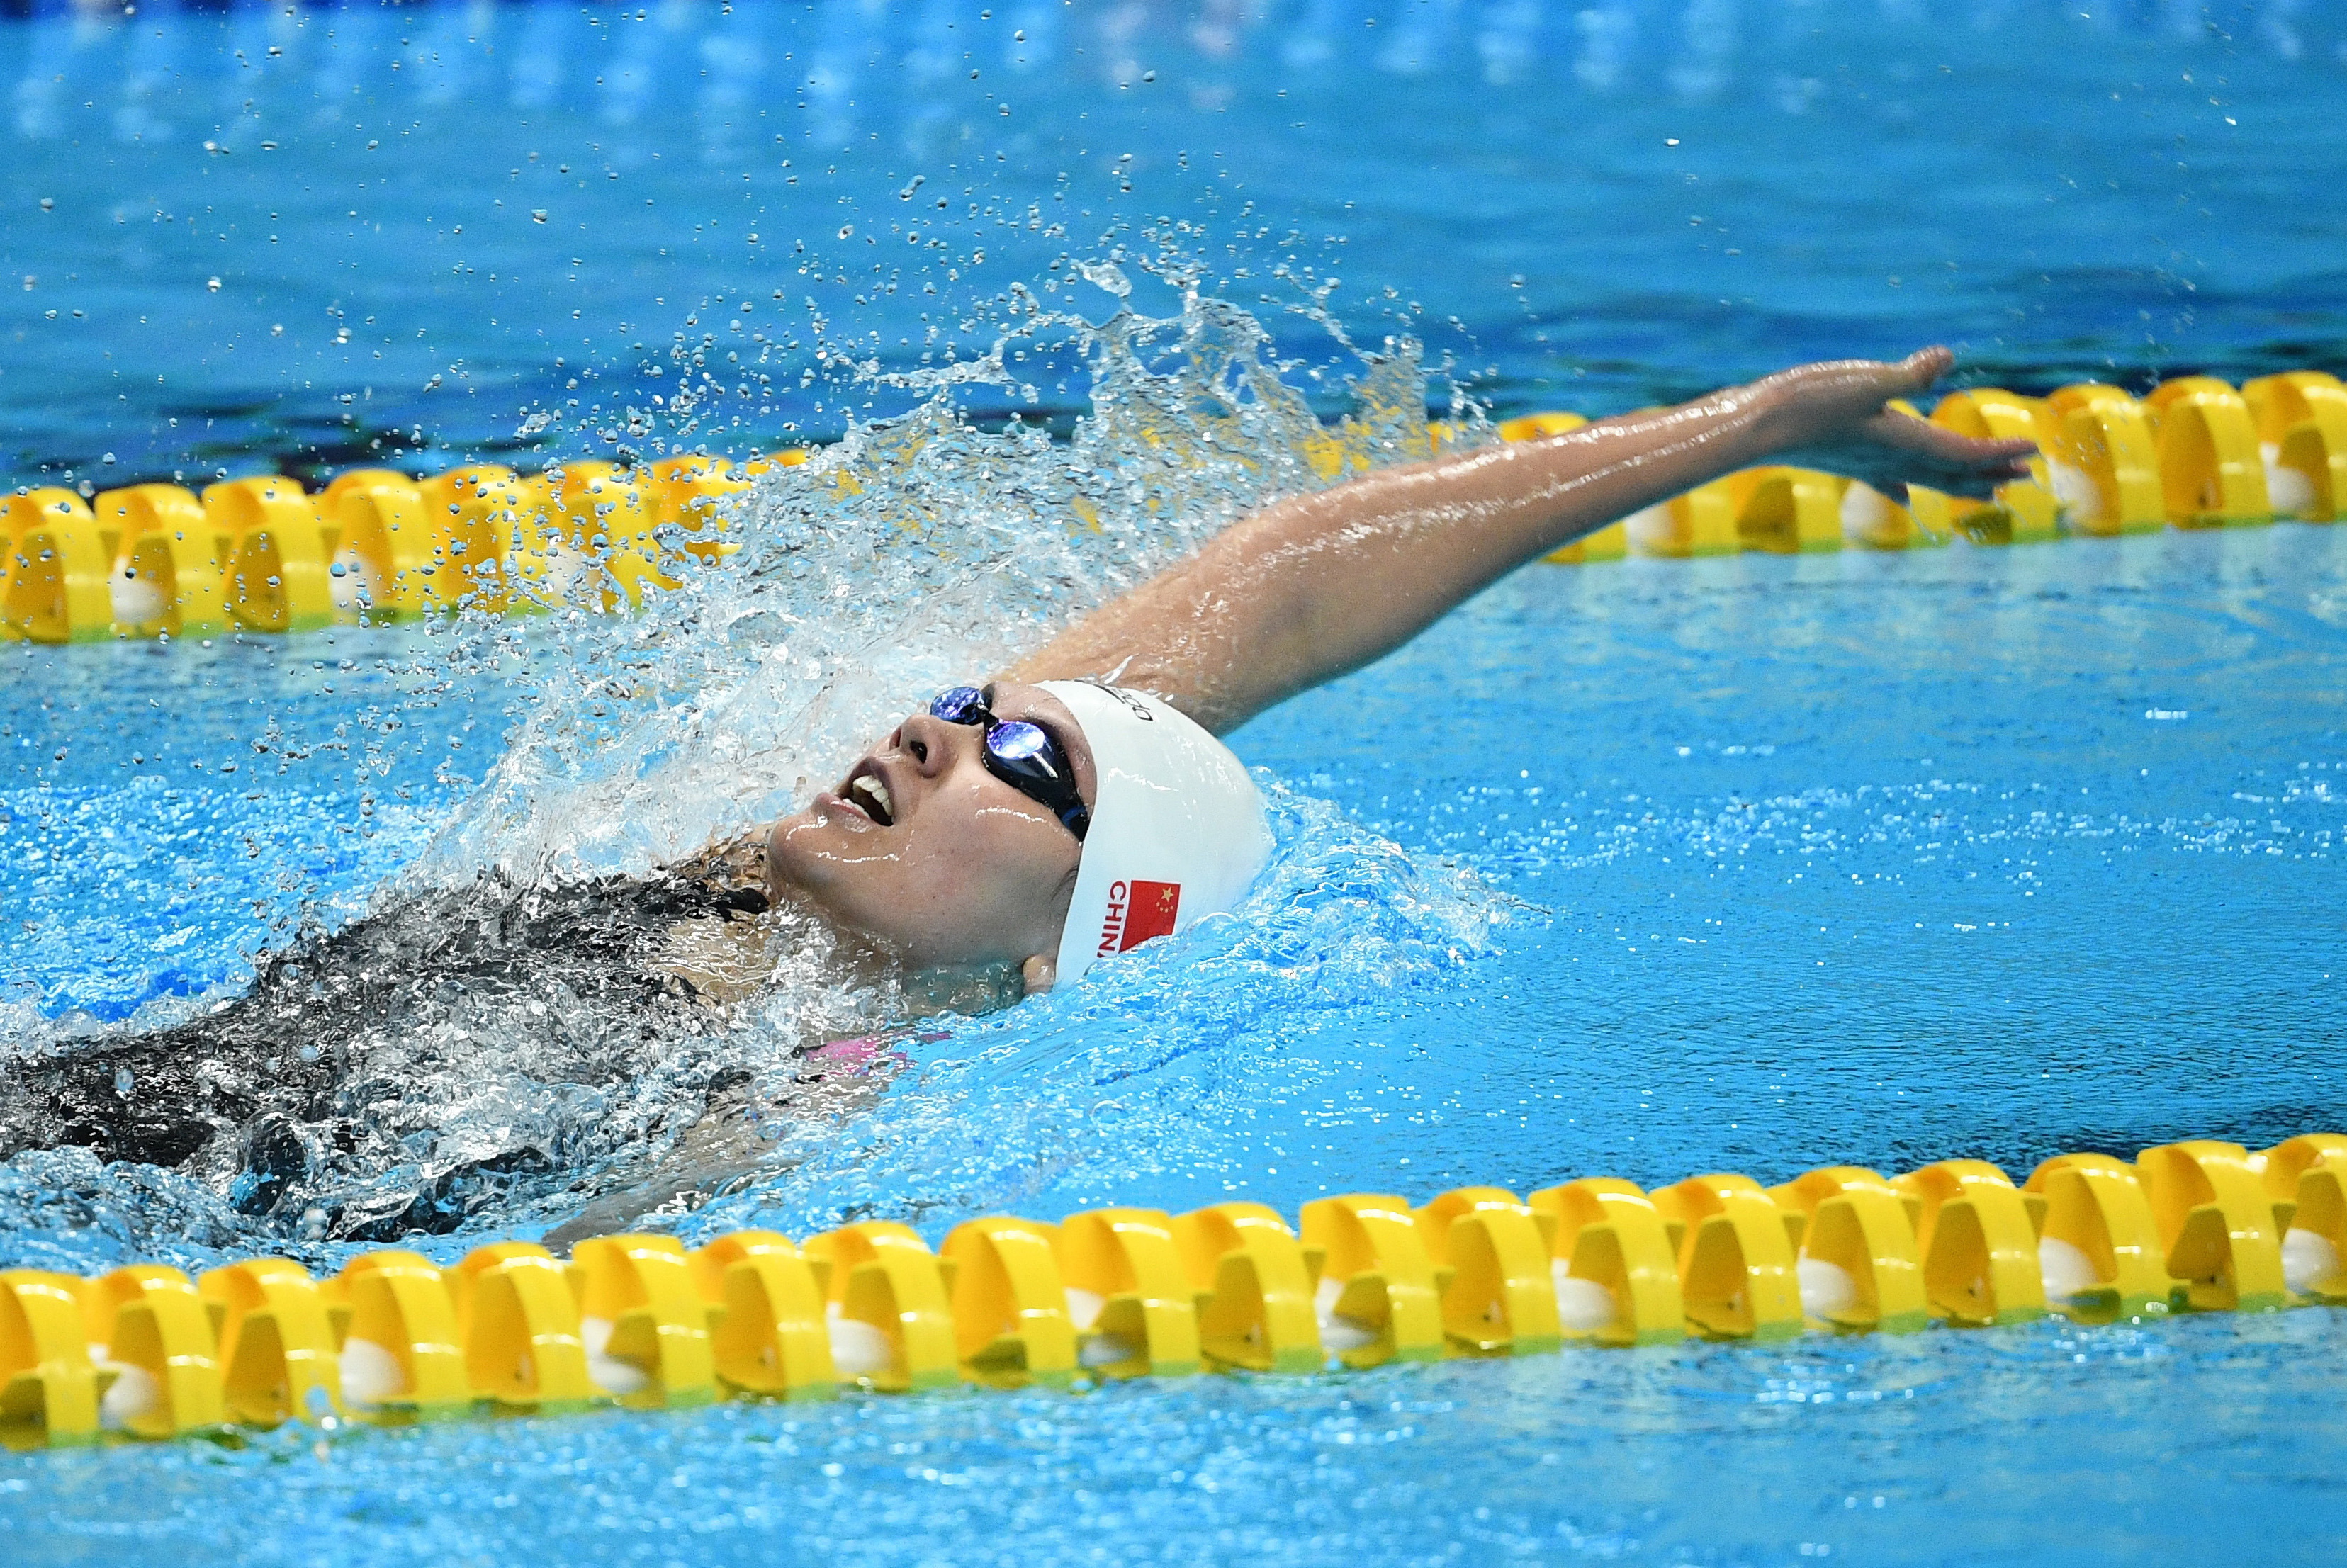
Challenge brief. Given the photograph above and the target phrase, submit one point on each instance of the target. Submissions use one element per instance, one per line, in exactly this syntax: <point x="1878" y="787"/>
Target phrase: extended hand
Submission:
<point x="1832" y="416"/>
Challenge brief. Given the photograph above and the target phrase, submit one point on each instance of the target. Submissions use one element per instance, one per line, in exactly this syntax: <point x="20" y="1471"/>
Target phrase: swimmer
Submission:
<point x="1004" y="838"/>
<point x="996" y="826"/>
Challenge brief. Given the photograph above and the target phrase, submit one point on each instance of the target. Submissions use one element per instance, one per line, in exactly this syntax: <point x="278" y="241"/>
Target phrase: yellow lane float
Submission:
<point x="641" y="1322"/>
<point x="261" y="555"/>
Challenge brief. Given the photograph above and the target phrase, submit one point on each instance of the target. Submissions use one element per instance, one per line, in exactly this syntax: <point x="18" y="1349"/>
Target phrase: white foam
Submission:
<point x="2288" y="491"/>
<point x="608" y="1372"/>
<point x="1105" y="1350"/>
<point x="2066" y="1269"/>
<point x="138" y="600"/>
<point x="2308" y="1258"/>
<point x="356" y="578"/>
<point x="1338" y="1333"/>
<point x="1826" y="1288"/>
<point x="1583" y="1305"/>
<point x="1865" y="510"/>
<point x="2075" y="492"/>
<point x="135" y="1393"/>
<point x="858" y="1349"/>
<point x="1650" y="529"/>
<point x="372" y="1373"/>
<point x="1083" y="1308"/>
<point x="566" y="568"/>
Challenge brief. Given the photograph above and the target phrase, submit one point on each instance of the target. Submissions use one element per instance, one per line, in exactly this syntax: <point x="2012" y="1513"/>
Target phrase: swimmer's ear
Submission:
<point x="1038" y="974"/>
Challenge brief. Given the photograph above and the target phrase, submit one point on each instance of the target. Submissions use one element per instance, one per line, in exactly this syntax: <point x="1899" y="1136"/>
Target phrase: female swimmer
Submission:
<point x="1016" y="830"/>
<point x="945" y="848"/>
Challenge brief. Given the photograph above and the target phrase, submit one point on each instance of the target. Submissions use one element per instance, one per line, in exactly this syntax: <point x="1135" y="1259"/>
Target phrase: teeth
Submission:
<point x="876" y="794"/>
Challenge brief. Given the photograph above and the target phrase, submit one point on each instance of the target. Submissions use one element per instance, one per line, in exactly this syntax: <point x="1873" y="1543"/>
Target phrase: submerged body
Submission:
<point x="277" y="1096"/>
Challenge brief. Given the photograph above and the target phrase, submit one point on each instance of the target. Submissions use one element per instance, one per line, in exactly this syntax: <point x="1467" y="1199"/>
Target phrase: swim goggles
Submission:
<point x="1021" y="754"/>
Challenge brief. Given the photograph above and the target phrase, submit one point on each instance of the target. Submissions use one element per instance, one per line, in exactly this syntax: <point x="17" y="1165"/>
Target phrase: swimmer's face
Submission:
<point x="923" y="849"/>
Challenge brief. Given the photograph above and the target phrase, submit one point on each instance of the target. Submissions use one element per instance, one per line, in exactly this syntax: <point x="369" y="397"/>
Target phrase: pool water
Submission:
<point x="242" y="237"/>
<point x="1642" y="869"/>
<point x="1768" y="864"/>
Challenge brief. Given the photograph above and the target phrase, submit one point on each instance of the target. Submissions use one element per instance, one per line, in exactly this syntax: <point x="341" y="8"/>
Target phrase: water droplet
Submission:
<point x="1106" y="275"/>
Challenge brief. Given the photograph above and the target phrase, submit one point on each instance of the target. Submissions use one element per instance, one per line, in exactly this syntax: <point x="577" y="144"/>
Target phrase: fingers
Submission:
<point x="1939" y="442"/>
<point x="1971" y="485"/>
<point x="1985" y="454"/>
<point x="1974" y="470"/>
<point x="1911" y="451"/>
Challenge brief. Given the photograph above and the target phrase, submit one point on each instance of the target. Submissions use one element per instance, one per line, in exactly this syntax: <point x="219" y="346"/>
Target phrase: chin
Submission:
<point x="792" y="860"/>
<point x="804" y="866"/>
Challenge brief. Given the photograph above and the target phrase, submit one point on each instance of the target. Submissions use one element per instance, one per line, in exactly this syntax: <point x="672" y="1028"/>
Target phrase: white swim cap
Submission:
<point x="1177" y="828"/>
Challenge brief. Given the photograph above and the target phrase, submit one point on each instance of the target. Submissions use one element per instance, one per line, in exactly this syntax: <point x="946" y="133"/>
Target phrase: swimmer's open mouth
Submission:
<point x="868" y="791"/>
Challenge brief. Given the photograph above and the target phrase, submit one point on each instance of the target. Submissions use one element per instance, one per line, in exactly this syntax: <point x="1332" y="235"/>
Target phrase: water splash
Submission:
<point x="914" y="553"/>
<point x="524" y="1033"/>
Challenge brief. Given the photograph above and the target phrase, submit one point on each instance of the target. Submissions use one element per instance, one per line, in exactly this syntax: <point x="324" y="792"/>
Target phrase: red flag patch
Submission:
<point x="1154" y="905"/>
<point x="1138" y="910"/>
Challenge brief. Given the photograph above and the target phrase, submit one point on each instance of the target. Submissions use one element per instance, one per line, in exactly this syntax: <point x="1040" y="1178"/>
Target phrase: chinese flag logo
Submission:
<point x="1151" y="912"/>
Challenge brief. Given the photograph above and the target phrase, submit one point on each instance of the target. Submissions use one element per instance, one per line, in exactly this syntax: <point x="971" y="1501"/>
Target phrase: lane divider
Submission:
<point x="262" y="554"/>
<point x="642" y="1323"/>
<point x="2195" y="454"/>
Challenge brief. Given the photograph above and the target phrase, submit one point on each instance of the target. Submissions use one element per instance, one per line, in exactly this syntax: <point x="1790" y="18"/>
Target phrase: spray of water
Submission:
<point x="535" y="1029"/>
<point x="915" y="552"/>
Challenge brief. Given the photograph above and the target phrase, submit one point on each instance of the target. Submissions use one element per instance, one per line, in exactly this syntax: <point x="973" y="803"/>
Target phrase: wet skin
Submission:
<point x="967" y="871"/>
<point x="943" y="864"/>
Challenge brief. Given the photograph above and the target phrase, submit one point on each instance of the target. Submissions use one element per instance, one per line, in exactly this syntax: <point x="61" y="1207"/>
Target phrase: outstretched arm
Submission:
<point x="1308" y="589"/>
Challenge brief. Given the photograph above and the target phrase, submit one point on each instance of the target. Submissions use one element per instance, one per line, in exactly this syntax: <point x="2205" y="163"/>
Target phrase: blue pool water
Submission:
<point x="1754" y="864"/>
<point x="424" y="220"/>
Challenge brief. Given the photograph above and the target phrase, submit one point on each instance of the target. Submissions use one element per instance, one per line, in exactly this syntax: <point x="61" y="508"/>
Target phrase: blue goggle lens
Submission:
<point x="961" y="705"/>
<point x="1021" y="754"/>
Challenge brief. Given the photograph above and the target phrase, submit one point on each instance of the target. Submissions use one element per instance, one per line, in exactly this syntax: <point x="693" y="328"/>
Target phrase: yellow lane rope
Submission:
<point x="641" y="1322"/>
<point x="262" y="554"/>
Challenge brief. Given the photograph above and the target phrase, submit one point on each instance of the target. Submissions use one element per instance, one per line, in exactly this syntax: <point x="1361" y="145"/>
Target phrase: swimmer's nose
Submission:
<point x="931" y="745"/>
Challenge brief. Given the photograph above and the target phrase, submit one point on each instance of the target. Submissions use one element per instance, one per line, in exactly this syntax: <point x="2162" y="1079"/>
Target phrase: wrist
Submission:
<point x="1768" y="416"/>
<point x="1782" y="414"/>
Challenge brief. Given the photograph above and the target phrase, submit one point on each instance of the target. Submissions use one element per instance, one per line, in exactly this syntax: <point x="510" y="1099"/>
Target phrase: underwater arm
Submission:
<point x="1313" y="586"/>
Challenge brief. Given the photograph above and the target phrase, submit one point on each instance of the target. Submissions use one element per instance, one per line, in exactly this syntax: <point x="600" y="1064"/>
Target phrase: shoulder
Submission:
<point x="730" y="875"/>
